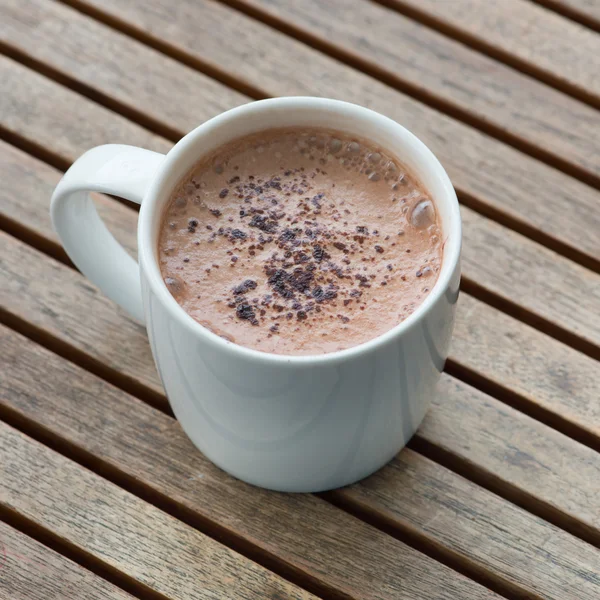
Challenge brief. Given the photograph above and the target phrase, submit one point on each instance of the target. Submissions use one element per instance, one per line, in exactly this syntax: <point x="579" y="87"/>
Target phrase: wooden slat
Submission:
<point x="535" y="278"/>
<point x="25" y="202"/>
<point x="553" y="379"/>
<point x="498" y="259"/>
<point x="556" y="383"/>
<point x="502" y="447"/>
<point x="466" y="427"/>
<point x="30" y="571"/>
<point x="163" y="553"/>
<point x="59" y="121"/>
<point x="586" y="12"/>
<point x="118" y="530"/>
<point x="482" y="532"/>
<point x="528" y="35"/>
<point x="413" y="492"/>
<point x="447" y="73"/>
<point x="126" y="73"/>
<point x="62" y="311"/>
<point x="501" y="180"/>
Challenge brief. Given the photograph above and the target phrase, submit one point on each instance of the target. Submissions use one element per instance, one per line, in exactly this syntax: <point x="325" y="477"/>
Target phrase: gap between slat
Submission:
<point x="85" y="361"/>
<point x="453" y="367"/>
<point x="445" y="458"/>
<point x="403" y="532"/>
<point x="172" y="134"/>
<point x="92" y="94"/>
<point x="409" y="534"/>
<point x="507" y="491"/>
<point x="488" y="49"/>
<point x="163" y="502"/>
<point x="570" y="13"/>
<point x="87" y="561"/>
<point x="168" y="49"/>
<point x="522" y="404"/>
<point x="424" y="96"/>
<point x="530" y="318"/>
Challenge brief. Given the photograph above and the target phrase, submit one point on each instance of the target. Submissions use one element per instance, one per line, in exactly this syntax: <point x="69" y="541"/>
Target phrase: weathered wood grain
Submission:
<point x="57" y="300"/>
<point x="30" y="571"/>
<point x="586" y="12"/>
<point x="555" y="382"/>
<point x="531" y="276"/>
<point x="550" y="377"/>
<point x="513" y="454"/>
<point x="528" y="35"/>
<point x="413" y="493"/>
<point x="465" y="426"/>
<point x="482" y="532"/>
<point x="123" y="532"/>
<point x="444" y="71"/>
<point x="497" y="258"/>
<point x="25" y="200"/>
<point x="499" y="179"/>
<point x="162" y="553"/>
<point x="60" y="121"/>
<point x="137" y="78"/>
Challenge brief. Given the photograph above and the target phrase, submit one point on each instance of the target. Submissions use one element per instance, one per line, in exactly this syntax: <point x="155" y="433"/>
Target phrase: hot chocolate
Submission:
<point x="300" y="241"/>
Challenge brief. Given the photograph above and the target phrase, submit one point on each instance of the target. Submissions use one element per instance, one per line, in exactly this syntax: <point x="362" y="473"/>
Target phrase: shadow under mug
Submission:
<point x="288" y="423"/>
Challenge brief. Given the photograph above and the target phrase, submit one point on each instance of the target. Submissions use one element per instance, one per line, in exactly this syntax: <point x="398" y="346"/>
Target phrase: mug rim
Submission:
<point x="151" y="203"/>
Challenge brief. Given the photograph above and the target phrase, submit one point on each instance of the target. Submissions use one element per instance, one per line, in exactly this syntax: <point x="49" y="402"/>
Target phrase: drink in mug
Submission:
<point x="299" y="269"/>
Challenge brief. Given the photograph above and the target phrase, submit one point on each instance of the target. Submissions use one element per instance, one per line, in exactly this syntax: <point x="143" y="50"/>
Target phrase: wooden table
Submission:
<point x="498" y="495"/>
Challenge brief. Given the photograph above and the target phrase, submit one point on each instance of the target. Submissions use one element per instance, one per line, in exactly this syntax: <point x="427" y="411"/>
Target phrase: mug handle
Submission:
<point x="124" y="171"/>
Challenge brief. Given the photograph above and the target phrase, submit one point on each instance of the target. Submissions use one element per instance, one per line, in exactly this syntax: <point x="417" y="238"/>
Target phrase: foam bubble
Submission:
<point x="423" y="214"/>
<point x="174" y="284"/>
<point x="353" y="147"/>
<point x="335" y="145"/>
<point x="374" y="176"/>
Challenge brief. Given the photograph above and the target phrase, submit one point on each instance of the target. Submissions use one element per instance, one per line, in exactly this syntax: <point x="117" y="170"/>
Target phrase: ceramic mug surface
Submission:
<point x="288" y="423"/>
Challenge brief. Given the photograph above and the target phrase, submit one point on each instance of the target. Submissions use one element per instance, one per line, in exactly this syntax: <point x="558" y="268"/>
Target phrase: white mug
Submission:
<point x="288" y="423"/>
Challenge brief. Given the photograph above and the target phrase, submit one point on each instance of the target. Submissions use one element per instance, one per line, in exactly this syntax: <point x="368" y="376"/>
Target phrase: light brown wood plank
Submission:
<point x="26" y="201"/>
<point x="59" y="121"/>
<point x="505" y="543"/>
<point x="508" y="269"/>
<point x="30" y="571"/>
<point x="586" y="12"/>
<point x="535" y="278"/>
<point x="415" y="494"/>
<point x="30" y="292"/>
<point x="551" y="378"/>
<point x="514" y="455"/>
<point x="123" y="532"/>
<point x="441" y="70"/>
<point x="466" y="427"/>
<point x="554" y="381"/>
<point x="139" y="79"/>
<point x="536" y="39"/>
<point x="174" y="559"/>
<point x="503" y="181"/>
